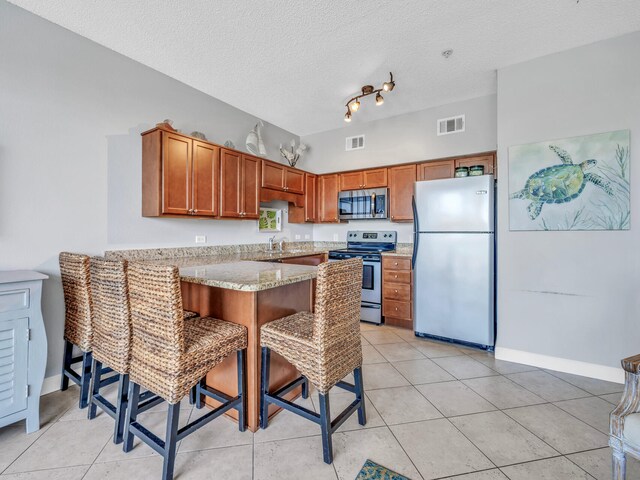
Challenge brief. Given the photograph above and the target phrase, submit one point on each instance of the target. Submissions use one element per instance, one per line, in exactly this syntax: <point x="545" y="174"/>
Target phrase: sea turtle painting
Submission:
<point x="560" y="183"/>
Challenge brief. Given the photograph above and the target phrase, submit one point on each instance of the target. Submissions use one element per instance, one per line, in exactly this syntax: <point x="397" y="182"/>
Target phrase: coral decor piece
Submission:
<point x="293" y="154"/>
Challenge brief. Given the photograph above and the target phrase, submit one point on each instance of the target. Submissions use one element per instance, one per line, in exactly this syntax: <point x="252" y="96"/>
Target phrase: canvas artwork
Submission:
<point x="270" y="220"/>
<point x="579" y="183"/>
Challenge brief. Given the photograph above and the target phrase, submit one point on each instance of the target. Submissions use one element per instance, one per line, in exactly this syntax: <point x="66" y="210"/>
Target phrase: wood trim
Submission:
<point x="152" y="174"/>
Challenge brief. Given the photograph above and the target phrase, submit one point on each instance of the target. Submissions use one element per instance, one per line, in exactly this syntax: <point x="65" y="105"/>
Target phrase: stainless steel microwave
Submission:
<point x="360" y="204"/>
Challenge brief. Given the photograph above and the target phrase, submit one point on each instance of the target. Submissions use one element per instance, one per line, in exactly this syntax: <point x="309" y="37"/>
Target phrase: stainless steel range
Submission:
<point x="368" y="245"/>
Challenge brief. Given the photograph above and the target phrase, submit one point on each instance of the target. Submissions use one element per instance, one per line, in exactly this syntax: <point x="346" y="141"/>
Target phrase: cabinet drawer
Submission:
<point x="396" y="263"/>
<point x="396" y="276"/>
<point x="392" y="308"/>
<point x="397" y="291"/>
<point x="13" y="300"/>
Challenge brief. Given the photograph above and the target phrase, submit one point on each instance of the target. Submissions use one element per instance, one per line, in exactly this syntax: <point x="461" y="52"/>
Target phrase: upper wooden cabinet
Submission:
<point x="487" y="161"/>
<point x="375" y="178"/>
<point x="239" y="185"/>
<point x="401" y="180"/>
<point x="328" y="198"/>
<point x="280" y="177"/>
<point x="179" y="175"/>
<point x="435" y="170"/>
<point x="309" y="212"/>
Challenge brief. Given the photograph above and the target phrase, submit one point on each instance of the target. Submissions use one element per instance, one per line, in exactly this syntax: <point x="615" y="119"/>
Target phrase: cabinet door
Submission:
<point x="230" y="183"/>
<point x="14" y="351"/>
<point x="376" y="178"/>
<point x="176" y="174"/>
<point x="485" y="160"/>
<point x="273" y="175"/>
<point x="401" y="180"/>
<point x="250" y="187"/>
<point x="328" y="198"/>
<point x="206" y="160"/>
<point x="435" y="170"/>
<point x="294" y="181"/>
<point x="351" y="181"/>
<point x="311" y="198"/>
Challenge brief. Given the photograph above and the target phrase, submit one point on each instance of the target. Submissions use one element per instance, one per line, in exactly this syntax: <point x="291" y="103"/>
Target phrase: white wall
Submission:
<point x="570" y="299"/>
<point x="401" y="139"/>
<point x="71" y="113"/>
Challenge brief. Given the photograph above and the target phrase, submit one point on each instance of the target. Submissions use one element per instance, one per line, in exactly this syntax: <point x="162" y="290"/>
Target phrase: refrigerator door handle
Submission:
<point x="416" y="230"/>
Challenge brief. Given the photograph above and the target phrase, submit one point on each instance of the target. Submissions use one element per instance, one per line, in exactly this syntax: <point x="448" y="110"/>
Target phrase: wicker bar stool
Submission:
<point x="170" y="357"/>
<point x="74" y="270"/>
<point x="111" y="327"/>
<point x="324" y="347"/>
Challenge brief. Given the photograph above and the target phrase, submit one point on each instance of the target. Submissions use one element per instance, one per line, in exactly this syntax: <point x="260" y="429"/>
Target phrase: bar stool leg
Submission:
<point x="171" y="441"/>
<point x="197" y="388"/>
<point x="85" y="378"/>
<point x="325" y="425"/>
<point x="121" y="408"/>
<point x="66" y="364"/>
<point x="96" y="370"/>
<point x="242" y="388"/>
<point x="305" y="388"/>
<point x="362" y="414"/>
<point x="264" y="387"/>
<point x="192" y="394"/>
<point x="132" y="414"/>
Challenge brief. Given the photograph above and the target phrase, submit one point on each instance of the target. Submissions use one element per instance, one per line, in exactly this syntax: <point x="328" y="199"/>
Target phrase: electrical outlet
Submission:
<point x="201" y="239"/>
<point x="307" y="236"/>
<point x="336" y="238"/>
<point x="297" y="237"/>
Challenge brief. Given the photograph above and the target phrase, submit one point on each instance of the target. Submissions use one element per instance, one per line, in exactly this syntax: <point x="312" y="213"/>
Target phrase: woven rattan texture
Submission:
<point x="74" y="270"/>
<point x="170" y="355"/>
<point x="324" y="346"/>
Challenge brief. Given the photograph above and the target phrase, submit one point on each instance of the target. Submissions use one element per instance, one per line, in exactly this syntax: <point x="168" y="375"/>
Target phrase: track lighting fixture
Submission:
<point x="353" y="105"/>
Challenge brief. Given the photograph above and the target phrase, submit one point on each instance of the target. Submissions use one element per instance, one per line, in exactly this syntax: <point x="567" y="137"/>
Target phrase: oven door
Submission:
<point x="371" y="282"/>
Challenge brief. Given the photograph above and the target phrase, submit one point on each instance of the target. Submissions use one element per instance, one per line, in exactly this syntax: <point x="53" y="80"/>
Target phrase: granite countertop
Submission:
<point x="248" y="276"/>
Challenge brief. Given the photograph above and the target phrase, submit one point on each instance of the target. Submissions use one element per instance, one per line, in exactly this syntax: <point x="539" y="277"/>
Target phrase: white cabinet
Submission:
<point x="23" y="347"/>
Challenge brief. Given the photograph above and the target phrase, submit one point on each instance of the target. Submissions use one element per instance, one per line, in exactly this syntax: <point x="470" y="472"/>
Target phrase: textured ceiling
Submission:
<point x="294" y="63"/>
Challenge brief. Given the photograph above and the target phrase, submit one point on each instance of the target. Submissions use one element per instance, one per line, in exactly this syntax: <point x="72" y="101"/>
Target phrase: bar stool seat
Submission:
<point x="171" y="357"/>
<point x="324" y="346"/>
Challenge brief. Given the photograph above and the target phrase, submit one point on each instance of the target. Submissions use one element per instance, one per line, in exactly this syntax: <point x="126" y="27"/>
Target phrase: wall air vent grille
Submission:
<point x="354" y="143"/>
<point x="451" y="125"/>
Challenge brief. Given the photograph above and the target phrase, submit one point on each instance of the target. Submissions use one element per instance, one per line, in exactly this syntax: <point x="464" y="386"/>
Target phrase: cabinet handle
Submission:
<point x="396" y="309"/>
<point x="395" y="276"/>
<point x="396" y="264"/>
<point x="195" y="211"/>
<point x="392" y="217"/>
<point x="396" y="291"/>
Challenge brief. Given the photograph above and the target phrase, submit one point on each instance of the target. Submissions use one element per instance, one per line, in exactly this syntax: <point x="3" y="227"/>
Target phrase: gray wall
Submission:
<point x="572" y="295"/>
<point x="71" y="113"/>
<point x="404" y="138"/>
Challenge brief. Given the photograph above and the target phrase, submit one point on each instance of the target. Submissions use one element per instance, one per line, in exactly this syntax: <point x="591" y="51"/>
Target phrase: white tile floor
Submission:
<point x="434" y="411"/>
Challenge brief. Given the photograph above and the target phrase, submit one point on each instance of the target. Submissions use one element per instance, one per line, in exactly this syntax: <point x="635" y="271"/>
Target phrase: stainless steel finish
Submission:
<point x="374" y="294"/>
<point x="453" y="259"/>
<point x="455" y="204"/>
<point x="364" y="204"/>
<point x="271" y="240"/>
<point x="281" y="245"/>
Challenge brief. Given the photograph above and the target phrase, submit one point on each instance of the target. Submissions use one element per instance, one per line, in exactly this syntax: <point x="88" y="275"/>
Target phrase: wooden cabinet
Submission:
<point x="487" y="161"/>
<point x="397" y="291"/>
<point x="328" y="188"/>
<point x="308" y="213"/>
<point x="239" y="185"/>
<point x="401" y="180"/>
<point x="435" y="170"/>
<point x="23" y="347"/>
<point x="375" y="178"/>
<point x="280" y="177"/>
<point x="313" y="260"/>
<point x="179" y="175"/>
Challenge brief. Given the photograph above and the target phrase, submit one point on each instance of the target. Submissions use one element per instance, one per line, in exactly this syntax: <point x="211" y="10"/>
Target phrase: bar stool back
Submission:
<point x="74" y="270"/>
<point x="324" y="347"/>
<point x="170" y="356"/>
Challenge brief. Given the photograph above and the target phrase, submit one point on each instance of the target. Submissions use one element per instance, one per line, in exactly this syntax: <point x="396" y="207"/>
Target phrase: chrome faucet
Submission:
<point x="271" y="240"/>
<point x="281" y="245"/>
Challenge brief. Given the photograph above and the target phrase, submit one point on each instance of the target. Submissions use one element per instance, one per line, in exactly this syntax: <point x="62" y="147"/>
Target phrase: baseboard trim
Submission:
<point x="51" y="384"/>
<point x="576" y="367"/>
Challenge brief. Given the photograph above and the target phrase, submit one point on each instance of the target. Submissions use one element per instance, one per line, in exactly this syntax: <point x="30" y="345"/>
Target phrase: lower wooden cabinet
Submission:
<point x="313" y="260"/>
<point x="397" y="291"/>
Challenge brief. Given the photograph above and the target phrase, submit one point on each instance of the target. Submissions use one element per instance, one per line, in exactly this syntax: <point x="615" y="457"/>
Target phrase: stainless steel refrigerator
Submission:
<point x="453" y="259"/>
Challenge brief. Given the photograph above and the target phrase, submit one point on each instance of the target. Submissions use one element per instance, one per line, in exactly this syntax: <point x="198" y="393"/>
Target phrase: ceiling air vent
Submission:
<point x="355" y="143"/>
<point x="451" y="125"/>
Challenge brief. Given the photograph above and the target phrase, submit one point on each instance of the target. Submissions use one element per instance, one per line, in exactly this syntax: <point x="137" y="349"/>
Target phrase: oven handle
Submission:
<point x="370" y="305"/>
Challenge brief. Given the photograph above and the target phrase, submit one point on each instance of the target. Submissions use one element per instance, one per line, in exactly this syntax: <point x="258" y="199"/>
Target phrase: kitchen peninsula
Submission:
<point x="249" y="288"/>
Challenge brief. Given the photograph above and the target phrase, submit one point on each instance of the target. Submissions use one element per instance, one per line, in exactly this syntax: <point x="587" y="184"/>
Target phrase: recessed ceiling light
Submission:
<point x="447" y="53"/>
